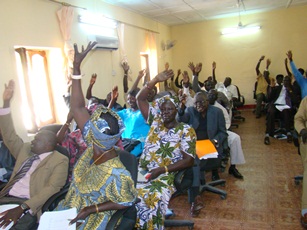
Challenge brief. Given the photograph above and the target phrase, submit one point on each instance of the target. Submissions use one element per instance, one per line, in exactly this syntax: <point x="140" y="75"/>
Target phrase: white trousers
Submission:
<point x="236" y="152"/>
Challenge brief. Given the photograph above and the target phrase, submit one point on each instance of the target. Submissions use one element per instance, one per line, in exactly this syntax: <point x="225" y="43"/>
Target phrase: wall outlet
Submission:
<point x="113" y="72"/>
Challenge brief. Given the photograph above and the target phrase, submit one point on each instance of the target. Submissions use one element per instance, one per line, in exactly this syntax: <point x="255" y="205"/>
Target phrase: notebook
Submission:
<point x="205" y="149"/>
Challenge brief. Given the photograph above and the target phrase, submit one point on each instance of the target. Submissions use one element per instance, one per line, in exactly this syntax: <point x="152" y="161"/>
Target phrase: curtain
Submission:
<point x="65" y="16"/>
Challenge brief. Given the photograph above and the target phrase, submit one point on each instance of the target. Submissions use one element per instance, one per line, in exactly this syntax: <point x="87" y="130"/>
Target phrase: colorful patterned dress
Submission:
<point x="162" y="147"/>
<point x="95" y="184"/>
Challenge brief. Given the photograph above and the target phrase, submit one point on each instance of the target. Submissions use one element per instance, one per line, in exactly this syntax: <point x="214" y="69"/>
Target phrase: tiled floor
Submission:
<point x="267" y="198"/>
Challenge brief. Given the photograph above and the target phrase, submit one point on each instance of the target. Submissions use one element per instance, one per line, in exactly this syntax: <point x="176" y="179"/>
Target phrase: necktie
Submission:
<point x="288" y="99"/>
<point x="20" y="174"/>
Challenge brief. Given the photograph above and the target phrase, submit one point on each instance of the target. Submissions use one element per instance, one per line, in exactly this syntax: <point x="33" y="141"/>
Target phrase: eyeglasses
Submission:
<point x="196" y="103"/>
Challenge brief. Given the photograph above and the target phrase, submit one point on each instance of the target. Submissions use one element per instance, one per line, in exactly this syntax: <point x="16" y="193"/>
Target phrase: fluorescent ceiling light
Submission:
<point x="97" y="20"/>
<point x="240" y="30"/>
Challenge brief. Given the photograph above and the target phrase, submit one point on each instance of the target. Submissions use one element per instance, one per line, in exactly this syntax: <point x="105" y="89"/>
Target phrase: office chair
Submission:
<point x="183" y="181"/>
<point x="209" y="165"/>
<point x="127" y="216"/>
<point x="236" y="104"/>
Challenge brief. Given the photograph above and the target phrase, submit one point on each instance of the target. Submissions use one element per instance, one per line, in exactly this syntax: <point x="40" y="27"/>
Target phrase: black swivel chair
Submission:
<point x="209" y="165"/>
<point x="183" y="181"/>
<point x="236" y="104"/>
<point x="127" y="217"/>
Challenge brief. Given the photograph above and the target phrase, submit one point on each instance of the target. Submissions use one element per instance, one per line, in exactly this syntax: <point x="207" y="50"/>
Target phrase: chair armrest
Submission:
<point x="183" y="179"/>
<point x="129" y="222"/>
<point x="53" y="201"/>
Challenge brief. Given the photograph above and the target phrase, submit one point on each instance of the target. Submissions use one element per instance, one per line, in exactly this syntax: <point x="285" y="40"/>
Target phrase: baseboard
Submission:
<point x="248" y="107"/>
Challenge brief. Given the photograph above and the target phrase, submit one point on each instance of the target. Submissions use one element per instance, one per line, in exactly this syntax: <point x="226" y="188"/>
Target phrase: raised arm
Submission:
<point x="89" y="89"/>
<point x="126" y="68"/>
<point x="297" y="74"/>
<point x="77" y="99"/>
<point x="142" y="73"/>
<point x="178" y="85"/>
<point x="195" y="70"/>
<point x="266" y="72"/>
<point x="62" y="132"/>
<point x="213" y="72"/>
<point x="287" y="68"/>
<point x="258" y="64"/>
<point x="114" y="96"/>
<point x="141" y="97"/>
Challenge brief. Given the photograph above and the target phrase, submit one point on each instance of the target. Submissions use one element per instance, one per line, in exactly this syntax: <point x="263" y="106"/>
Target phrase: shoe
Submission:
<point x="267" y="141"/>
<point x="258" y="116"/>
<point x="235" y="173"/>
<point x="289" y="138"/>
<point x="304" y="221"/>
<point x="196" y="206"/>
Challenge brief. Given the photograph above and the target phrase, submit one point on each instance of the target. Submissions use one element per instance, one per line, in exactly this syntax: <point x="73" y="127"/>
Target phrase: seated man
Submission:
<point x="208" y="123"/>
<point x="7" y="162"/>
<point x="281" y="100"/>
<point x="263" y="81"/>
<point x="234" y="141"/>
<point x="37" y="162"/>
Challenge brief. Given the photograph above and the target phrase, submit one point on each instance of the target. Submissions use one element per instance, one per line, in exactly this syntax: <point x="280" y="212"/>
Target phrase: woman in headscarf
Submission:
<point x="169" y="147"/>
<point x="100" y="183"/>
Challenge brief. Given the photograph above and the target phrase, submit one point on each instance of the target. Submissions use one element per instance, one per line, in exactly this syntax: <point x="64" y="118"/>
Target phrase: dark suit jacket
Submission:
<point x="49" y="176"/>
<point x="294" y="95"/>
<point x="215" y="124"/>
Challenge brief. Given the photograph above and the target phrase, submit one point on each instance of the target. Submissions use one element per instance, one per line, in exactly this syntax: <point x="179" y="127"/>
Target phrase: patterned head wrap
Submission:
<point x="174" y="99"/>
<point x="94" y="128"/>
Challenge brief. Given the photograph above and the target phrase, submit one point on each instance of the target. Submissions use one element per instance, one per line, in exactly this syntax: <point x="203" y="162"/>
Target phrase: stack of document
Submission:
<point x="58" y="220"/>
<point x="205" y="149"/>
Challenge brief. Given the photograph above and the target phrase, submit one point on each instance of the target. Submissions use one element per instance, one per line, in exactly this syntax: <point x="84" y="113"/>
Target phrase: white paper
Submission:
<point x="5" y="207"/>
<point x="58" y="220"/>
<point x="282" y="107"/>
<point x="142" y="176"/>
<point x="211" y="155"/>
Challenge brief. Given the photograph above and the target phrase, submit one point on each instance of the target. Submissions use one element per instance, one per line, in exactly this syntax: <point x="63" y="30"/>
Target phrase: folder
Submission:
<point x="205" y="149"/>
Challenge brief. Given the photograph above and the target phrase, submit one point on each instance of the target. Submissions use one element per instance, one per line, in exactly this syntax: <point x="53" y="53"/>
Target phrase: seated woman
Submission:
<point x="100" y="184"/>
<point x="169" y="147"/>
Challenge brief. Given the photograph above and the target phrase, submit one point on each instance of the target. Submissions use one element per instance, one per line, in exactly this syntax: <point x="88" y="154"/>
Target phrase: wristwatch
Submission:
<point x="24" y="207"/>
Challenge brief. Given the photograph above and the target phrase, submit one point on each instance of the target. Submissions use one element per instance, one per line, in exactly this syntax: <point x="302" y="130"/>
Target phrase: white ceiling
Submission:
<point x="175" y="12"/>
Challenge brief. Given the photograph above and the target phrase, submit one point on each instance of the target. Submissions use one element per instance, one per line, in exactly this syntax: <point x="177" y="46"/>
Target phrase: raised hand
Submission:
<point x="142" y="73"/>
<point x="262" y="58"/>
<point x="166" y="66"/>
<point x="178" y="72"/>
<point x="125" y="66"/>
<point x="289" y="54"/>
<point x="214" y="65"/>
<point x="198" y="68"/>
<point x="163" y="76"/>
<point x="93" y="79"/>
<point x="79" y="56"/>
<point x="114" y="93"/>
<point x="8" y="90"/>
<point x="192" y="67"/>
<point x="268" y="62"/>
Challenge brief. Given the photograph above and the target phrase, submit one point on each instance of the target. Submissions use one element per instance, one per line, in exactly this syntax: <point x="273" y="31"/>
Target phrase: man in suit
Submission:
<point x="209" y="123"/>
<point x="282" y="99"/>
<point x="31" y="184"/>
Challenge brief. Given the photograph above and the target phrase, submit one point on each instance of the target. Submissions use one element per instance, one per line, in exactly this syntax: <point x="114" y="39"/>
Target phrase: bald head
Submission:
<point x="44" y="141"/>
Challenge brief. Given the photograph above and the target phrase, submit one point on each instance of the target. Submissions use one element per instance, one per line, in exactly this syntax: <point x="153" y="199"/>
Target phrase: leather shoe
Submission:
<point x="235" y="173"/>
<point x="196" y="206"/>
<point x="289" y="138"/>
<point x="267" y="141"/>
<point x="304" y="221"/>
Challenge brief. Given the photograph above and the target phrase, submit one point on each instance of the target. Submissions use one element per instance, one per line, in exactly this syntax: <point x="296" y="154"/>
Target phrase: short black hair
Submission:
<point x="134" y="92"/>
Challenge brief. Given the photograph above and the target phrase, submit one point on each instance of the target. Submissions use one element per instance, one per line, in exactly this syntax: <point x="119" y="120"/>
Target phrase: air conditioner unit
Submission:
<point x="104" y="42"/>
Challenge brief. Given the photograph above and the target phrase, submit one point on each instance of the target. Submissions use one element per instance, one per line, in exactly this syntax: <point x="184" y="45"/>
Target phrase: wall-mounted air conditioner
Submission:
<point x="104" y="42"/>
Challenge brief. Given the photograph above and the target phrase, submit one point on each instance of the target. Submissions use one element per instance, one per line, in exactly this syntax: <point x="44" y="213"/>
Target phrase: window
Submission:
<point x="37" y="98"/>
